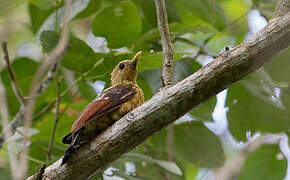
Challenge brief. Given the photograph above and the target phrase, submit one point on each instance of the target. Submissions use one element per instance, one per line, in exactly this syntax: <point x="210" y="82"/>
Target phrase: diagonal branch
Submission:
<point x="51" y="59"/>
<point x="56" y="119"/>
<point x="55" y="56"/>
<point x="4" y="118"/>
<point x="282" y="7"/>
<point x="171" y="103"/>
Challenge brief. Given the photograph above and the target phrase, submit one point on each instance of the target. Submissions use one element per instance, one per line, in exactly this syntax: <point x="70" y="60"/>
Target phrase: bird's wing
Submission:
<point x="108" y="101"/>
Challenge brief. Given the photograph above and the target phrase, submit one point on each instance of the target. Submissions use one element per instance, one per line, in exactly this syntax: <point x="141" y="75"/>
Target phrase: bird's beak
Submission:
<point x="134" y="60"/>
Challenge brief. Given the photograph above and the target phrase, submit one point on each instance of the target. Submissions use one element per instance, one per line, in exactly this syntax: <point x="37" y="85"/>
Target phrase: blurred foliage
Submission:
<point x="259" y="103"/>
<point x="267" y="159"/>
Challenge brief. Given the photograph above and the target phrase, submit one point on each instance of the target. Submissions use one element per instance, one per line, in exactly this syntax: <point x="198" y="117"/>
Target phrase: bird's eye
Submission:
<point x="121" y="66"/>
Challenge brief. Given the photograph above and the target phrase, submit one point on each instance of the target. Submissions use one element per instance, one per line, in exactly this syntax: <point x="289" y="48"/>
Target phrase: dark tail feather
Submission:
<point x="67" y="139"/>
<point x="72" y="140"/>
<point x="67" y="155"/>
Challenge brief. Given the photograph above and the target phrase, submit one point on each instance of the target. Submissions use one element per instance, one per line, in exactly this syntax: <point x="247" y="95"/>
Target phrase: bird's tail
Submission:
<point x="67" y="155"/>
<point x="74" y="143"/>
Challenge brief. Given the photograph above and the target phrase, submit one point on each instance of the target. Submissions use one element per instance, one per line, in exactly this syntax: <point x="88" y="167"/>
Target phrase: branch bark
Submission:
<point x="282" y="8"/>
<point x="167" y="69"/>
<point x="169" y="104"/>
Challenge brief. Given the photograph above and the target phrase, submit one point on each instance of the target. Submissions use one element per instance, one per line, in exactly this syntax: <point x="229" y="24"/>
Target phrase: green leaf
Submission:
<point x="121" y="174"/>
<point x="265" y="7"/>
<point x="278" y="68"/>
<point x="149" y="12"/>
<point x="43" y="4"/>
<point x="175" y="30"/>
<point x="261" y="85"/>
<point x="209" y="11"/>
<point x="168" y="165"/>
<point x="87" y="90"/>
<point x="78" y="56"/>
<point x="45" y="123"/>
<point x="24" y="69"/>
<point x="219" y="41"/>
<point x="153" y="60"/>
<point x="203" y="112"/>
<point x="5" y="173"/>
<point x="38" y="16"/>
<point x="49" y="23"/>
<point x="263" y="164"/>
<point x="92" y="7"/>
<point x="250" y="113"/>
<point x="157" y="145"/>
<point x="120" y="24"/>
<point x="38" y="154"/>
<point x="194" y="143"/>
<point x="49" y="40"/>
<point x="191" y="171"/>
<point x="181" y="69"/>
<point x="144" y="85"/>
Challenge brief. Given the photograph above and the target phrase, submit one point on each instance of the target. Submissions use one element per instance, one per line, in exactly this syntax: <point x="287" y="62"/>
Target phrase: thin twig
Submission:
<point x="56" y="16"/>
<point x="56" y="120"/>
<point x="167" y="69"/>
<point x="19" y="117"/>
<point x="10" y="143"/>
<point x="51" y="58"/>
<point x="14" y="83"/>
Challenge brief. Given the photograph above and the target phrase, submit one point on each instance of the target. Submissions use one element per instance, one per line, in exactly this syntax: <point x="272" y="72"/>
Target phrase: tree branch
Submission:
<point x="282" y="7"/>
<point x="52" y="58"/>
<point x="5" y="118"/>
<point x="14" y="83"/>
<point x="167" y="69"/>
<point x="56" y="119"/>
<point x="169" y="104"/>
<point x="55" y="57"/>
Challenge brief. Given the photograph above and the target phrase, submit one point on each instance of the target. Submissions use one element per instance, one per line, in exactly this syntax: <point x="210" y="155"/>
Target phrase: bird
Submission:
<point x="110" y="105"/>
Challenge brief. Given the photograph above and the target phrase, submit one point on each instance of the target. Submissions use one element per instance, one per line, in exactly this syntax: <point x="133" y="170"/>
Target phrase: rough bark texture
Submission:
<point x="171" y="103"/>
<point x="282" y="8"/>
<point x="167" y="48"/>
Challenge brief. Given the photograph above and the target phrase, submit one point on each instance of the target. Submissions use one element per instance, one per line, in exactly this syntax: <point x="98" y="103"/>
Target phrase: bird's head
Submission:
<point x="126" y="71"/>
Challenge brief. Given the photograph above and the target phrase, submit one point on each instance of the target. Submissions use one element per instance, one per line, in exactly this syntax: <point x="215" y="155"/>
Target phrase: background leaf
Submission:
<point x="263" y="164"/>
<point x="196" y="144"/>
<point x="121" y="24"/>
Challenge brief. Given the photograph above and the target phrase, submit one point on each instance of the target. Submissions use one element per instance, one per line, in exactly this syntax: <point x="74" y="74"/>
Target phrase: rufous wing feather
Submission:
<point x="108" y="101"/>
